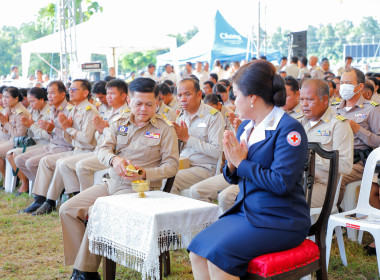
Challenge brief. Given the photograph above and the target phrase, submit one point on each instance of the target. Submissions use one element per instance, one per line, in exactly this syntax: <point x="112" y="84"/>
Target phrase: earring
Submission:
<point x="251" y="105"/>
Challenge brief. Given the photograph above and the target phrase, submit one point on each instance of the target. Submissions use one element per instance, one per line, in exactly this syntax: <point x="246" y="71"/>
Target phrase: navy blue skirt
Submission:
<point x="232" y="242"/>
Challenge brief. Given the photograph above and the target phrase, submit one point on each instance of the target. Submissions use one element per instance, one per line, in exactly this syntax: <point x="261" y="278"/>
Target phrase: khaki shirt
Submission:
<point x="14" y="127"/>
<point x="103" y="108"/>
<point x="4" y="136"/>
<point x="204" y="146"/>
<point x="174" y="104"/>
<point x="82" y="134"/>
<point x="166" y="112"/>
<point x="110" y="116"/>
<point x="225" y="111"/>
<point x="153" y="147"/>
<point x="366" y="115"/>
<point x="57" y="137"/>
<point x="35" y="131"/>
<point x="296" y="113"/>
<point x="333" y="134"/>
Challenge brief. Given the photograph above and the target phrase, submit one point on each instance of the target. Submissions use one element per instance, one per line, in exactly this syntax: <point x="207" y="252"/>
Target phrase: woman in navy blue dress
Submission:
<point x="266" y="158"/>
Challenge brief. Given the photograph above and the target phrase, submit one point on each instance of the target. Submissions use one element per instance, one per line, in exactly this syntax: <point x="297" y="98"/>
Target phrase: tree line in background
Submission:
<point x="322" y="41"/>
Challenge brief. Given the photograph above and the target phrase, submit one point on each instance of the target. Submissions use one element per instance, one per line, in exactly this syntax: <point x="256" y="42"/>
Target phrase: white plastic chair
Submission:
<point x="31" y="184"/>
<point x="9" y="180"/>
<point x="98" y="176"/>
<point x="370" y="224"/>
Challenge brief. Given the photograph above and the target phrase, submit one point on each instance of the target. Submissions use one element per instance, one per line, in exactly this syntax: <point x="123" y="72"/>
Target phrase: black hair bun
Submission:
<point x="278" y="91"/>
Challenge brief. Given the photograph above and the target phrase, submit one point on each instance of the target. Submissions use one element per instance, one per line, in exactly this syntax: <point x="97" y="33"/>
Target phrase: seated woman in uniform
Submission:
<point x="215" y="100"/>
<point x="10" y="120"/>
<point x="266" y="159"/>
<point x="40" y="110"/>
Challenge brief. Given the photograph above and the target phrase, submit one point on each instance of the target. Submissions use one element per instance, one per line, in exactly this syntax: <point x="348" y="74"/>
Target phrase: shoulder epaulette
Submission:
<point x="166" y="110"/>
<point x="164" y="117"/>
<point x="18" y="111"/>
<point x="169" y="123"/>
<point x="335" y="103"/>
<point x="126" y="110"/>
<point x="340" y="118"/>
<point x="213" y="111"/>
<point x="48" y="111"/>
<point x="299" y="117"/>
<point x="69" y="107"/>
<point x="88" y="108"/>
<point x="1" y="108"/>
<point x="373" y="103"/>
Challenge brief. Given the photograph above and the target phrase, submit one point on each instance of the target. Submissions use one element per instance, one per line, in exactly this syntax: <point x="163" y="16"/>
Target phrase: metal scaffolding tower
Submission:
<point x="67" y="31"/>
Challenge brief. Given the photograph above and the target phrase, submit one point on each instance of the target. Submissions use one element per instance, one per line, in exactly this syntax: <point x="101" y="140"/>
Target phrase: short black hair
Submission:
<point x="294" y="85"/>
<point x="215" y="76"/>
<point x="169" y="82"/>
<point x="164" y="89"/>
<point x="219" y="88"/>
<point x="119" y="84"/>
<point x="61" y="87"/>
<point x="84" y="83"/>
<point x="194" y="77"/>
<point x="151" y="65"/>
<point x="225" y="82"/>
<point x="143" y="84"/>
<point x="195" y="83"/>
<point x="39" y="93"/>
<point x="304" y="61"/>
<point x="213" y="99"/>
<point x="294" y="59"/>
<point x="360" y="78"/>
<point x="99" y="88"/>
<point x="14" y="92"/>
<point x="210" y="83"/>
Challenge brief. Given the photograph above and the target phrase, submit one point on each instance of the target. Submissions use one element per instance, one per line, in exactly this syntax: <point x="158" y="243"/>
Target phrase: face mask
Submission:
<point x="347" y="91"/>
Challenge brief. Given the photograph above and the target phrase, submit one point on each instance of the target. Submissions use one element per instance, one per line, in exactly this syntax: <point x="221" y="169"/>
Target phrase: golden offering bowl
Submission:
<point x="141" y="186"/>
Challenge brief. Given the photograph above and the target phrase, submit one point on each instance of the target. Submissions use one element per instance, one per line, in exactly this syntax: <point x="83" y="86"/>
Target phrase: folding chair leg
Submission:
<point x="339" y="237"/>
<point x="360" y="236"/>
<point x="329" y="235"/>
<point x="352" y="234"/>
<point x="377" y="253"/>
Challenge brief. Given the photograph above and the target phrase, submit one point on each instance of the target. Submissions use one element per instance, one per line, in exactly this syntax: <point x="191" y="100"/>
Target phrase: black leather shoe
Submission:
<point x="81" y="275"/>
<point x="371" y="251"/>
<point x="45" y="208"/>
<point x="32" y="207"/>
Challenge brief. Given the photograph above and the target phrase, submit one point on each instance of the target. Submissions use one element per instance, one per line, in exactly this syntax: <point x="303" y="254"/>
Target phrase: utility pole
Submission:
<point x="67" y="35"/>
<point x="258" y="30"/>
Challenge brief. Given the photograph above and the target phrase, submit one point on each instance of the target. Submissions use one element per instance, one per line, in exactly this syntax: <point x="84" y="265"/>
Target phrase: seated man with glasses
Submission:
<point x="77" y="129"/>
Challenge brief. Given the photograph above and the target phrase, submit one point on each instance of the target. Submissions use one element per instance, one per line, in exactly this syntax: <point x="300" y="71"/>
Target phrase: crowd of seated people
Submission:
<point x="142" y="122"/>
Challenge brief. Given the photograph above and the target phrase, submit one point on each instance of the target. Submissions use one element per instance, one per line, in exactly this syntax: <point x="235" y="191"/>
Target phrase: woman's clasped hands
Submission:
<point x="234" y="151"/>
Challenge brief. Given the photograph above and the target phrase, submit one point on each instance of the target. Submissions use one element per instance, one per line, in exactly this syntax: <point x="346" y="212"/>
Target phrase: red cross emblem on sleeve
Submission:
<point x="294" y="138"/>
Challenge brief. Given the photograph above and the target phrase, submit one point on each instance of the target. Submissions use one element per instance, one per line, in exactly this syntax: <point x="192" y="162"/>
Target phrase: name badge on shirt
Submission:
<point x="360" y="115"/>
<point x="323" y="133"/>
<point x="152" y="135"/>
<point x="202" y="125"/>
<point x="122" y="130"/>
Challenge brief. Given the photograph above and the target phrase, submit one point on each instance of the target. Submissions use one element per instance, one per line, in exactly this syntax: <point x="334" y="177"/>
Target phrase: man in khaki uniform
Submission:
<point x="99" y="90"/>
<point x="168" y="97"/>
<point x="293" y="105"/>
<point x="145" y="140"/>
<point x="78" y="129"/>
<point x="165" y="111"/>
<point x="79" y="173"/>
<point x="364" y="119"/>
<point x="322" y="125"/>
<point x="28" y="162"/>
<point x="200" y="128"/>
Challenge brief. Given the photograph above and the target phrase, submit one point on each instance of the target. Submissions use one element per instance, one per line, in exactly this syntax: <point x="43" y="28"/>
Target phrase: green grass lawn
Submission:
<point x="31" y="248"/>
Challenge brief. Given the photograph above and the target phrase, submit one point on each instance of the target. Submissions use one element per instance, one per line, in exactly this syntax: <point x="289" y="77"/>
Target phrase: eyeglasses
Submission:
<point x="74" y="89"/>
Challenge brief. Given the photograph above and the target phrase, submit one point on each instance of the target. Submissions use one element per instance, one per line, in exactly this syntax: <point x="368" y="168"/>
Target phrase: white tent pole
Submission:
<point x="258" y="30"/>
<point x="44" y="60"/>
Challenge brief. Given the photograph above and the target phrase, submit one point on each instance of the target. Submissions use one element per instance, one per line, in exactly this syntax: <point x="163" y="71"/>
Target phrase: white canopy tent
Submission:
<point x="95" y="36"/>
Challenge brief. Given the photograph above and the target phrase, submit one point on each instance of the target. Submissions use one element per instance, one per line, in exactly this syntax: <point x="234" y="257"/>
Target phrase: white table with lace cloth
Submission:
<point x="134" y="231"/>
